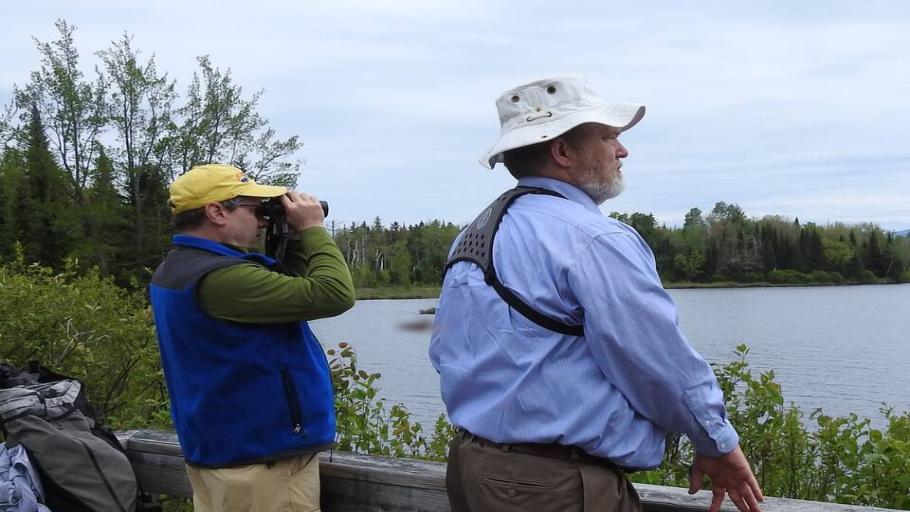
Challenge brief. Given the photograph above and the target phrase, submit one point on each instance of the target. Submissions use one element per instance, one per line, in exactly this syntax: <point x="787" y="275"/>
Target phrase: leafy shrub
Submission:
<point x="753" y="277"/>
<point x="787" y="276"/>
<point x="821" y="276"/>
<point x="868" y="277"/>
<point x="86" y="327"/>
<point x="364" y="425"/>
<point x="843" y="459"/>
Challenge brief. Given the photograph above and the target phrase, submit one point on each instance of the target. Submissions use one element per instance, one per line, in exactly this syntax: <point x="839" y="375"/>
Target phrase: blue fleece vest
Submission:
<point x="240" y="393"/>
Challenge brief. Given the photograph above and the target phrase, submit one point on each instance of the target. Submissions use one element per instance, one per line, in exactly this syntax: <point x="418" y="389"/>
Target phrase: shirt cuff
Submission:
<point x="713" y="435"/>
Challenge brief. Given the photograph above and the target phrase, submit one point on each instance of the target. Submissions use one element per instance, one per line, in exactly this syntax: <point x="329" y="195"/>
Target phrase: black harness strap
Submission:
<point x="476" y="246"/>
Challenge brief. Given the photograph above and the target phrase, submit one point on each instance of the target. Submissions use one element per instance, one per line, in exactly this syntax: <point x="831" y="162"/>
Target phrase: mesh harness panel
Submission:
<point x="476" y="246"/>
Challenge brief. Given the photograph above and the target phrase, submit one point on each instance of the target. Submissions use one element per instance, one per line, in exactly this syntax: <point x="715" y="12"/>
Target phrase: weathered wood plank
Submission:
<point x="362" y="483"/>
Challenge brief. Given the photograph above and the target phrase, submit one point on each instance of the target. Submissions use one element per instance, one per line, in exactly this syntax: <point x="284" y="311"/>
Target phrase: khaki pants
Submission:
<point x="287" y="485"/>
<point x="484" y="478"/>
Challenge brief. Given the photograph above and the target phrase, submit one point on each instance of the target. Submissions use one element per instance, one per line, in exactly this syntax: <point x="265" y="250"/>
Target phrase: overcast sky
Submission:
<point x="792" y="108"/>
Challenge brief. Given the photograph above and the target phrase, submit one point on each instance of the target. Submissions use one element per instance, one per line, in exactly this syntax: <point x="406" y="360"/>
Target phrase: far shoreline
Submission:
<point x="432" y="292"/>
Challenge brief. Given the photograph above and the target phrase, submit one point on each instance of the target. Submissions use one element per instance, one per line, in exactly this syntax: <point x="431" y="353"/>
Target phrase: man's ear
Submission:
<point x="561" y="153"/>
<point x="216" y="213"/>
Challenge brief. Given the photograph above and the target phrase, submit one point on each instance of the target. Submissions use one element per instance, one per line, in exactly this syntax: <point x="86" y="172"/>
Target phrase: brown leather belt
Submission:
<point x="551" y="451"/>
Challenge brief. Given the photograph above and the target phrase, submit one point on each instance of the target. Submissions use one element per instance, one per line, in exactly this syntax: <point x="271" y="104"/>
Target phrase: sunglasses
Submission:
<point x="257" y="207"/>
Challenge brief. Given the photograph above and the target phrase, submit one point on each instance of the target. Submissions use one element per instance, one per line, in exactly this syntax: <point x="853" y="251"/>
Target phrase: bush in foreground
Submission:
<point x="86" y="327"/>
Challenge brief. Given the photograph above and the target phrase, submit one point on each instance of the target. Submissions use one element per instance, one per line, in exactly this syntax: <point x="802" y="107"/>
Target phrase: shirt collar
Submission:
<point x="570" y="192"/>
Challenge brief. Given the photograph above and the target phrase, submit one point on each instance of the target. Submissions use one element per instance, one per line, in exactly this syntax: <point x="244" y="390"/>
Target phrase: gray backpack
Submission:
<point x="80" y="471"/>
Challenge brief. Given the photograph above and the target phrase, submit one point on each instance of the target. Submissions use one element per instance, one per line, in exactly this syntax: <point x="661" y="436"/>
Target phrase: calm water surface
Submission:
<point x="844" y="349"/>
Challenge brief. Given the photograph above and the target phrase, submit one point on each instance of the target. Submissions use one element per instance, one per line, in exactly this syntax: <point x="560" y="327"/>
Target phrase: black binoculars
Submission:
<point x="273" y="208"/>
<point x="277" y="231"/>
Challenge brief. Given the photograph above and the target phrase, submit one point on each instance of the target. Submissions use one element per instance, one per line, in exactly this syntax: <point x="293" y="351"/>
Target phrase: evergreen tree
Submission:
<point x="44" y="215"/>
<point x="107" y="216"/>
<point x="693" y="220"/>
<point x="12" y="209"/>
<point x="768" y="244"/>
<point x="811" y="249"/>
<point x="874" y="256"/>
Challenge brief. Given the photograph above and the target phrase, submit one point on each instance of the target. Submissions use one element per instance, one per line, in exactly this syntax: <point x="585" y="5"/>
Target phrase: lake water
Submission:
<point x="844" y="349"/>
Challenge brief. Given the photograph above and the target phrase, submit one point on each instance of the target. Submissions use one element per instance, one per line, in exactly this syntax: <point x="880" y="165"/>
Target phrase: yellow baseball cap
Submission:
<point x="214" y="183"/>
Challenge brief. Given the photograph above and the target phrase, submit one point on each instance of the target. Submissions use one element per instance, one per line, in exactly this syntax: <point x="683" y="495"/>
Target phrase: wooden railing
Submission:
<point x="363" y="483"/>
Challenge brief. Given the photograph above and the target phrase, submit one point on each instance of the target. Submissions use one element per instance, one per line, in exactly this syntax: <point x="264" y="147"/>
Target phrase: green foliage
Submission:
<point x="400" y="271"/>
<point x="365" y="425"/>
<point x="396" y="256"/>
<point x="42" y="203"/>
<point x="838" y="459"/>
<point x="86" y="327"/>
<point x="691" y="265"/>
<point x="397" y="292"/>
<point x="68" y="194"/>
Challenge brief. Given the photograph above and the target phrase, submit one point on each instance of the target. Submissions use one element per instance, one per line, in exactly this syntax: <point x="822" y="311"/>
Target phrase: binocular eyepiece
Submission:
<point x="273" y="209"/>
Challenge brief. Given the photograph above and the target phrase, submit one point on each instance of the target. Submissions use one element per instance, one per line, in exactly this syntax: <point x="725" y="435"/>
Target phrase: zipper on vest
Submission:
<point x="290" y="393"/>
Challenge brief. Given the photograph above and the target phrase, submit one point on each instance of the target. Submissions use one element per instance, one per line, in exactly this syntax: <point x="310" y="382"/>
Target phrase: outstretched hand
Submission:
<point x="729" y="474"/>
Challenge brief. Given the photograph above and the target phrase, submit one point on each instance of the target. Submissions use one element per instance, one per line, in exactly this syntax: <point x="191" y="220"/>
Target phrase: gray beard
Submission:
<point x="601" y="191"/>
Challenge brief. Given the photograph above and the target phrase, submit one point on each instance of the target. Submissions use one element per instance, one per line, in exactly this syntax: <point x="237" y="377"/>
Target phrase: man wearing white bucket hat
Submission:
<point x="559" y="354"/>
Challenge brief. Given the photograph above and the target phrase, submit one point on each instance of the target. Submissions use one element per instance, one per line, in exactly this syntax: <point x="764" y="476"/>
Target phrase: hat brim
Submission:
<point x="242" y="189"/>
<point x="257" y="190"/>
<point x="620" y="116"/>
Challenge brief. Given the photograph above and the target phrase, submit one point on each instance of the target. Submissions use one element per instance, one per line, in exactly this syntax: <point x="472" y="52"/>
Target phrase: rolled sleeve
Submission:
<point x="632" y="331"/>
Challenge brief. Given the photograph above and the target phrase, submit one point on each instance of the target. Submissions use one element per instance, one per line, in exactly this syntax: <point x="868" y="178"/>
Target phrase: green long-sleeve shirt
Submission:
<point x="250" y="293"/>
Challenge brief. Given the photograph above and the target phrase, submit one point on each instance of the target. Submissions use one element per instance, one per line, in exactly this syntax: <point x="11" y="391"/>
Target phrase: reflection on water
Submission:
<point x="844" y="349"/>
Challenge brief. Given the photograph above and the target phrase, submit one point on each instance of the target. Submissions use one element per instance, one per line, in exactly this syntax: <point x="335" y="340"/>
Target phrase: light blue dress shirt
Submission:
<point x="615" y="392"/>
<point x="20" y="487"/>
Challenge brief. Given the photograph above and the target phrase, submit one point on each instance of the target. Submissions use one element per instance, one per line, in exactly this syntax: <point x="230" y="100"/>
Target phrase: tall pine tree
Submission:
<point x="43" y="211"/>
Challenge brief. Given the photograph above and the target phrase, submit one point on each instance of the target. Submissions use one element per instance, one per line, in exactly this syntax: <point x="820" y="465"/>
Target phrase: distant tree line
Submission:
<point x="85" y="161"/>
<point x="726" y="245"/>
<point x="722" y="246"/>
<point x="396" y="255"/>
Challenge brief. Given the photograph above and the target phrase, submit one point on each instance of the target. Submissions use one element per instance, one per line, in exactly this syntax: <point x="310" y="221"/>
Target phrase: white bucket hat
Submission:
<point x="545" y="109"/>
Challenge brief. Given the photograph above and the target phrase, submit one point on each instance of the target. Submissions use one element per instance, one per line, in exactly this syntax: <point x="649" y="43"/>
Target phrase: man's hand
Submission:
<point x="729" y="474"/>
<point x="302" y="211"/>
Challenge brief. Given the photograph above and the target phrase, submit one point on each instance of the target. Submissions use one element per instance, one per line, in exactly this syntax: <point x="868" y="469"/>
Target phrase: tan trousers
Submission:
<point x="288" y="485"/>
<point x="484" y="478"/>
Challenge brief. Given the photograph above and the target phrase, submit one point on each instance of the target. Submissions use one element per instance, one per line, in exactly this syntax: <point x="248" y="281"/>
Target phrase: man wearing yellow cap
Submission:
<point x="251" y="392"/>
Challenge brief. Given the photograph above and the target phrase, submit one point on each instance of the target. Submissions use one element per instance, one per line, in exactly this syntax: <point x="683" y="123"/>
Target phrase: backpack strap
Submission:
<point x="476" y="246"/>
